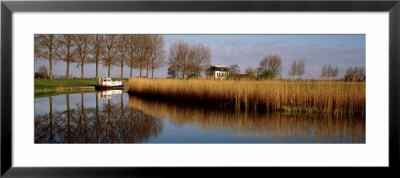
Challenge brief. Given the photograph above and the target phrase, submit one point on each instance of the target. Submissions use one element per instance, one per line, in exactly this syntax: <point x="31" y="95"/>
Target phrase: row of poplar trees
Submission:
<point x="142" y="52"/>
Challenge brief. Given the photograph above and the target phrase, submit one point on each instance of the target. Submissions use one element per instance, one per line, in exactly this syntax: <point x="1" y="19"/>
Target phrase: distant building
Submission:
<point x="217" y="72"/>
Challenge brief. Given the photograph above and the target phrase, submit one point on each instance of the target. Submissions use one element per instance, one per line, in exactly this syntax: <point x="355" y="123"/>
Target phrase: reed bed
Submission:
<point x="275" y="95"/>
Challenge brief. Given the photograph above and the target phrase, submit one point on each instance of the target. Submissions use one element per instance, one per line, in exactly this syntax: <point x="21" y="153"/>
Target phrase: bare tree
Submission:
<point x="148" y="51"/>
<point x="324" y="71"/>
<point x="82" y="51"/>
<point x="157" y="56"/>
<point x="293" y="69"/>
<point x="199" y="59"/>
<point x="360" y="73"/>
<point x="350" y="74"/>
<point x="67" y="51"/>
<point x="179" y="56"/>
<point x="263" y="65"/>
<point x="335" y="73"/>
<point x="122" y="44"/>
<point x="133" y="52"/>
<point x="271" y="62"/>
<point x="97" y="50"/>
<point x="46" y="47"/>
<point x="233" y="70"/>
<point x="300" y="67"/>
<point x="143" y="53"/>
<point x="355" y="74"/>
<point x="109" y="52"/>
<point x="329" y="72"/>
<point x="297" y="68"/>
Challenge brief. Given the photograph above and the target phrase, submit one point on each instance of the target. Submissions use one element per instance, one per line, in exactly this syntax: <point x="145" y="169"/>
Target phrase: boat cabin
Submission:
<point x="107" y="82"/>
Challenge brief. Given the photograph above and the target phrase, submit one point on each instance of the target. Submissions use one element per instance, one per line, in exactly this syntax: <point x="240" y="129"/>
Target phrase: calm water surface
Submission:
<point x="116" y="117"/>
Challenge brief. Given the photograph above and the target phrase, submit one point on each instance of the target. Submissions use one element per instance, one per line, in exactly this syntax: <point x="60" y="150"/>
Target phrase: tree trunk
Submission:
<point x="183" y="73"/>
<point x="147" y="69"/>
<point x="122" y="71"/>
<point x="140" y="69"/>
<point x="68" y="60"/>
<point x="51" y="66"/>
<point x="82" y="71"/>
<point x="51" y="58"/>
<point x="109" y="70"/>
<point x="131" y="70"/>
<point x="97" y="67"/>
<point x="67" y="77"/>
<point x="152" y="68"/>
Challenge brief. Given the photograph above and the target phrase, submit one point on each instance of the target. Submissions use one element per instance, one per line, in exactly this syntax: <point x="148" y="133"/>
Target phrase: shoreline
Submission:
<point x="62" y="85"/>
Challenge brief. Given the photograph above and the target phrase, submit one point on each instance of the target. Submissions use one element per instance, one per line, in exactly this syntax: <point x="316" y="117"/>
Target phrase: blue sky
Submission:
<point x="342" y="51"/>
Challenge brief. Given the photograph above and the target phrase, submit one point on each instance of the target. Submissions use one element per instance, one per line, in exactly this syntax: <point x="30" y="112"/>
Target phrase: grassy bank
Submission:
<point x="291" y="96"/>
<point x="49" y="84"/>
<point x="59" y="85"/>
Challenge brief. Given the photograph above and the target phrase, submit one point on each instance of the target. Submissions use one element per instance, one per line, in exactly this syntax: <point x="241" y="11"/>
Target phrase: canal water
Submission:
<point x="116" y="117"/>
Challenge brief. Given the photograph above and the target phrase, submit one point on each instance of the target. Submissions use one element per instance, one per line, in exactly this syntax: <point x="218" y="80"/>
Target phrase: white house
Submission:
<point x="217" y="72"/>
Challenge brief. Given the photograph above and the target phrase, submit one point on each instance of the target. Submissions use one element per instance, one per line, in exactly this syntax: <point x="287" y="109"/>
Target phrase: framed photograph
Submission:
<point x="104" y="88"/>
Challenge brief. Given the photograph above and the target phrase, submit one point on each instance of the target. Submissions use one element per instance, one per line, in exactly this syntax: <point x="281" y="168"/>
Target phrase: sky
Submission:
<point x="247" y="51"/>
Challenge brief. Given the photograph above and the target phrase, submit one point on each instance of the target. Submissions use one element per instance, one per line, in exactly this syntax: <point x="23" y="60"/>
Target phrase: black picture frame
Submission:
<point x="8" y="7"/>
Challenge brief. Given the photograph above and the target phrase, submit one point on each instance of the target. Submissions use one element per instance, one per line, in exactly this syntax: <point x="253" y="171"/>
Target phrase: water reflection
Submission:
<point x="116" y="117"/>
<point x="277" y="127"/>
<point x="108" y="121"/>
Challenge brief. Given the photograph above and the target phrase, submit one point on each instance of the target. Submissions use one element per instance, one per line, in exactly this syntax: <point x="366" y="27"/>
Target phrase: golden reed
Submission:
<point x="276" y="95"/>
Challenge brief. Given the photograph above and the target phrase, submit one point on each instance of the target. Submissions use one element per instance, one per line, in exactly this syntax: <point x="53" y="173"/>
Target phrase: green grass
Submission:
<point x="41" y="84"/>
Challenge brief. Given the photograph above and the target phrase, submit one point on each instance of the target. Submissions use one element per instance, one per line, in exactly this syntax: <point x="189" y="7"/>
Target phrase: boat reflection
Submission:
<point x="106" y="94"/>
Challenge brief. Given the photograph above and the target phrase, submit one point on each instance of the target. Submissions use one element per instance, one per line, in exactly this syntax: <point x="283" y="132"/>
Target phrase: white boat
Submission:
<point x="108" y="83"/>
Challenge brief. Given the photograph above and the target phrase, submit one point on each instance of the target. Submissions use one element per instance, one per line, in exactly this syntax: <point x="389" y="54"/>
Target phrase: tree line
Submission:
<point x="146" y="54"/>
<point x="271" y="66"/>
<point x="142" y="52"/>
<point x="186" y="60"/>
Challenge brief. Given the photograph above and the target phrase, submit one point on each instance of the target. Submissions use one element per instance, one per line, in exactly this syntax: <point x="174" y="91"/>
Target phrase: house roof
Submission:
<point x="218" y="68"/>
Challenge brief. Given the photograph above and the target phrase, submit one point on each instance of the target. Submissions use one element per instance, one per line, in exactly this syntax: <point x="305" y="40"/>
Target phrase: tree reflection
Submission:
<point x="105" y="123"/>
<point x="275" y="126"/>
